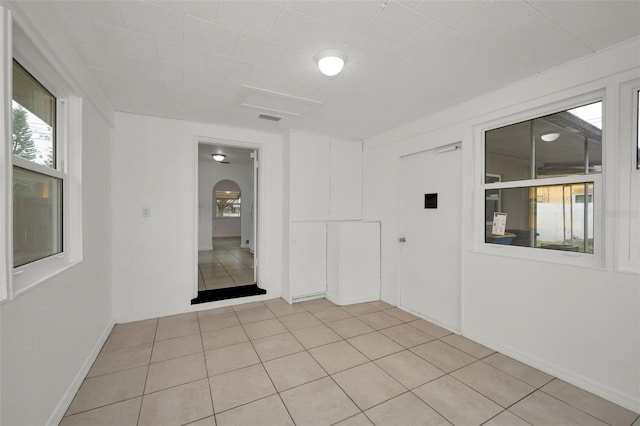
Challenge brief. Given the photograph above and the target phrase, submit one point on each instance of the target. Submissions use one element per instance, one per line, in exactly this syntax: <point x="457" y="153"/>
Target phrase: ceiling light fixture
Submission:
<point x="219" y="157"/>
<point x="550" y="137"/>
<point x="330" y="62"/>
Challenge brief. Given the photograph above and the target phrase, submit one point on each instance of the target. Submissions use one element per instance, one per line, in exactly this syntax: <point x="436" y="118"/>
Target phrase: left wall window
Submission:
<point x="38" y="180"/>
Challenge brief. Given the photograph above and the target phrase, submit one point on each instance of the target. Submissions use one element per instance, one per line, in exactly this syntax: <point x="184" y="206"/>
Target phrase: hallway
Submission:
<point x="227" y="265"/>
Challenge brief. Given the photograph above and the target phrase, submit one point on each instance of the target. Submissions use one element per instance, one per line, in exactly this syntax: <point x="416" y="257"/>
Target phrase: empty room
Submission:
<point x="367" y="212"/>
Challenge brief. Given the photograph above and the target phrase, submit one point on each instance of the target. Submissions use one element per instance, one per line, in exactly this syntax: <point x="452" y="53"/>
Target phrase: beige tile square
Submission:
<point x="409" y="369"/>
<point x="403" y="316"/>
<point x="379" y="320"/>
<point x="177" y="371"/>
<point x="276" y="346"/>
<point x="230" y="390"/>
<point x="493" y="383"/>
<point x="207" y="421"/>
<point x="298" y="321"/>
<point x="224" y="337"/>
<point x="430" y="328"/>
<point x="406" y="335"/>
<point x="215" y="311"/>
<point x="219" y="282"/>
<point x="468" y="346"/>
<point x="177" y="326"/>
<point x="122" y="414"/>
<point x="280" y="307"/>
<point x="406" y="409"/>
<point x="315" y="336"/>
<point x="120" y="359"/>
<point x="375" y="345"/>
<point x="598" y="407"/>
<point x="331" y="314"/>
<point x="293" y="370"/>
<point x="443" y="356"/>
<point x="104" y="390"/>
<point x="460" y="404"/>
<point x="368" y="385"/>
<point x="230" y="358"/>
<point x="338" y="356"/>
<point x="270" y="327"/>
<point x="269" y="410"/>
<point x="131" y="334"/>
<point x="135" y="326"/>
<point x="249" y="305"/>
<point x="176" y="347"/>
<point x="217" y="322"/>
<point x="523" y="372"/>
<point x="380" y="305"/>
<point x="318" y="403"/>
<point x="542" y="409"/>
<point x="357" y="420"/>
<point x="177" y="406"/>
<point x="350" y="327"/>
<point x="359" y="309"/>
<point x="506" y="418"/>
<point x="317" y="305"/>
<point x="253" y="315"/>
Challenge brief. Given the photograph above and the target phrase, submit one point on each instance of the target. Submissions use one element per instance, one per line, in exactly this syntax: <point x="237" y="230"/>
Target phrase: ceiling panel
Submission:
<point x="393" y="24"/>
<point x="405" y="59"/>
<point x="299" y="31"/>
<point x="251" y="17"/>
<point x="208" y="36"/>
<point x="448" y="12"/>
<point x="348" y="15"/>
<point x="155" y="21"/>
<point x="598" y="24"/>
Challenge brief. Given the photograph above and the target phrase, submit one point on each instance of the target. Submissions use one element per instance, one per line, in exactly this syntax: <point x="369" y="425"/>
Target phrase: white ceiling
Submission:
<point x="202" y="60"/>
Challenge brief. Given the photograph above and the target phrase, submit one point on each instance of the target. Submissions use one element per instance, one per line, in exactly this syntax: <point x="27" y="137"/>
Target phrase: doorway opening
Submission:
<point x="227" y="206"/>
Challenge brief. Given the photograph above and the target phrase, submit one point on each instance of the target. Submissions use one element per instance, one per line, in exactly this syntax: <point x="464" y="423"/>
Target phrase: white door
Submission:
<point x="308" y="259"/>
<point x="430" y="269"/>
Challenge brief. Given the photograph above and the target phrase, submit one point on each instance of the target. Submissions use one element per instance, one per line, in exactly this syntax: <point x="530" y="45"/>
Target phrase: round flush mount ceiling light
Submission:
<point x="219" y="157"/>
<point x="550" y="137"/>
<point x="330" y="62"/>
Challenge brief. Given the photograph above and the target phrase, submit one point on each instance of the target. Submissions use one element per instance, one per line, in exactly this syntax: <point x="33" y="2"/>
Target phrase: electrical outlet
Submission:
<point x="146" y="212"/>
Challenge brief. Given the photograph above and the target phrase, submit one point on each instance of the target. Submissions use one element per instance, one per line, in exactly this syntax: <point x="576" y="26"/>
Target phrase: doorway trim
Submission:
<point x="258" y="218"/>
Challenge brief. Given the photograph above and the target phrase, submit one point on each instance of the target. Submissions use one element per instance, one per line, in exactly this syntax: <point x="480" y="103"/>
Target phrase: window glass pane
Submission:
<point x="228" y="204"/>
<point x="34" y="110"/>
<point x="37" y="216"/>
<point x="565" y="143"/>
<point x="556" y="217"/>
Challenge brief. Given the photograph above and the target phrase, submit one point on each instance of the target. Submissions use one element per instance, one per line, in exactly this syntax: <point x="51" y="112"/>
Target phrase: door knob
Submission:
<point x="402" y="239"/>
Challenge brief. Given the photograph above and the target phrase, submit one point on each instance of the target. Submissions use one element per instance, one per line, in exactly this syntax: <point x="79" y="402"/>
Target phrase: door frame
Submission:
<point x="258" y="229"/>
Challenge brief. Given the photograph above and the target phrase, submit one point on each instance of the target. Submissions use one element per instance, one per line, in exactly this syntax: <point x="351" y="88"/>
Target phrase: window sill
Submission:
<point x="31" y="276"/>
<point x="564" y="258"/>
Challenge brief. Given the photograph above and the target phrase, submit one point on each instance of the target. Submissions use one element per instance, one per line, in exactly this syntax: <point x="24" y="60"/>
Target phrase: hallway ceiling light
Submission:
<point x="550" y="137"/>
<point x="330" y="62"/>
<point x="219" y="157"/>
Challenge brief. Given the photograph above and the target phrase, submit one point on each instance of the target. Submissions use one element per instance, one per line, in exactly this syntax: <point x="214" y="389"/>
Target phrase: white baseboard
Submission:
<point x="63" y="405"/>
<point x="603" y="391"/>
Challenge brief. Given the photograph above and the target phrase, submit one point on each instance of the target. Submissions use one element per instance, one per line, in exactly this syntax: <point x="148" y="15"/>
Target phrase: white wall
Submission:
<point x="51" y="334"/>
<point x="154" y="165"/>
<point x="209" y="174"/>
<point x="582" y="325"/>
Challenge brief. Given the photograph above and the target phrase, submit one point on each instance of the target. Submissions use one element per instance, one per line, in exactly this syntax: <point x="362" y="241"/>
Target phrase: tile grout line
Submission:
<point x="144" y="387"/>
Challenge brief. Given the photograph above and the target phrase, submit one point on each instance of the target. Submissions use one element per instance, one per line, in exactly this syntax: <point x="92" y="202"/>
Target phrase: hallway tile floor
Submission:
<point x="316" y="363"/>
<point x="227" y="265"/>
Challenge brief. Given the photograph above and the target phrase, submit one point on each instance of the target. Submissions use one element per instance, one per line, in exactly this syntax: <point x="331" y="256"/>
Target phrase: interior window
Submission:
<point x="520" y="209"/>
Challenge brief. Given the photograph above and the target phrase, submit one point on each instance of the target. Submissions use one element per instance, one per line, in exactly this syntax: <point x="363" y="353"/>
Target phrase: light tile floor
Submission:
<point x="315" y="363"/>
<point x="227" y="265"/>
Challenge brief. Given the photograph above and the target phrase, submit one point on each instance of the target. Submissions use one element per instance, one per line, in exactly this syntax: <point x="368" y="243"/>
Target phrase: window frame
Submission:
<point x="591" y="260"/>
<point x="16" y="44"/>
